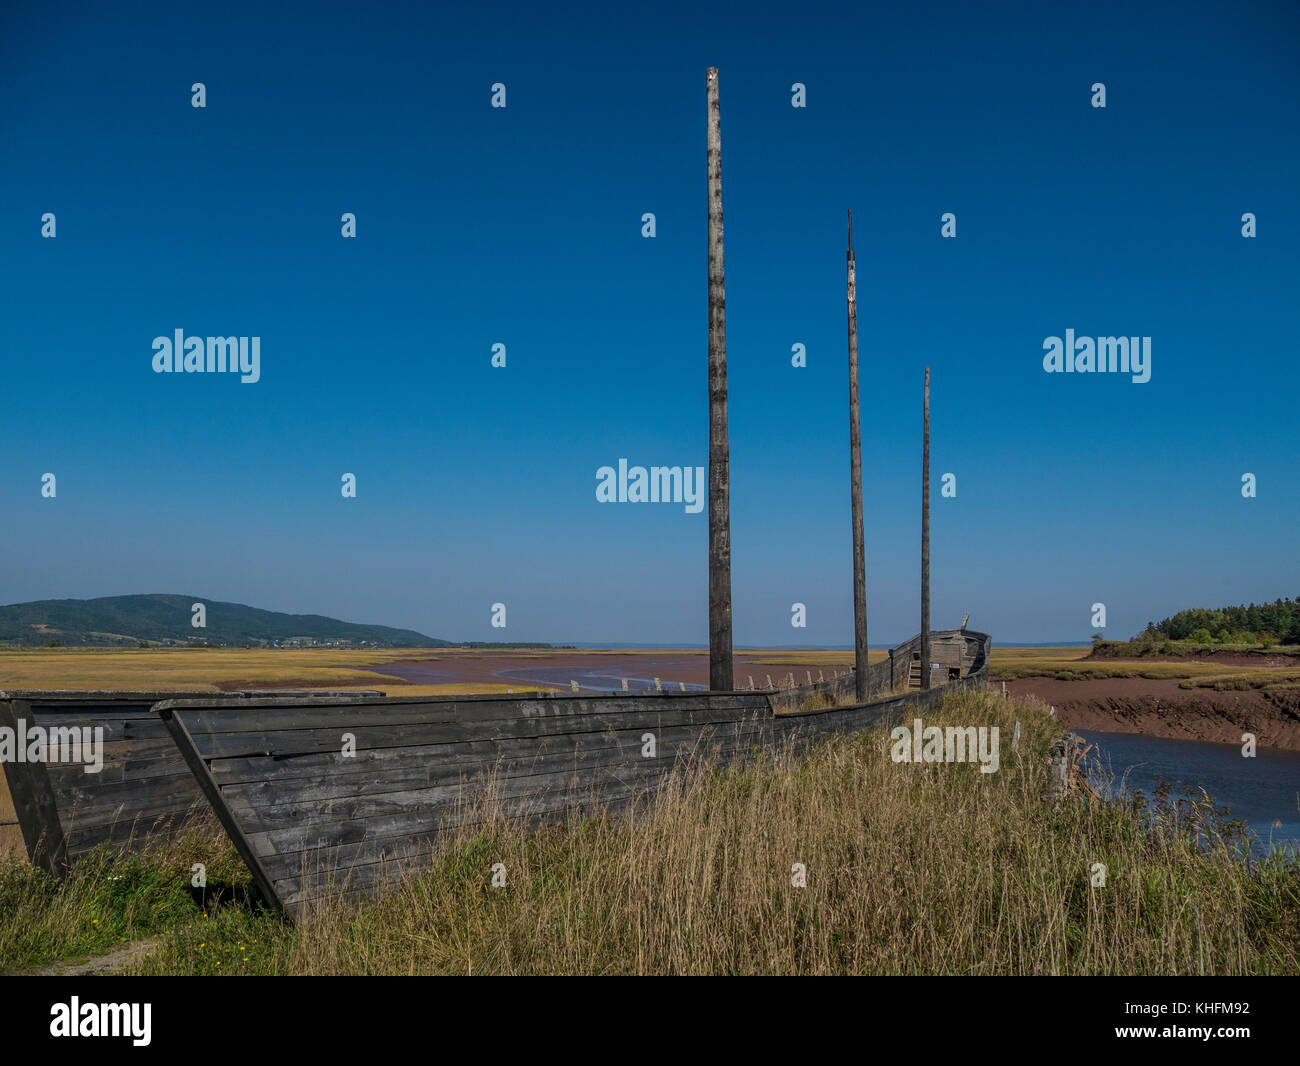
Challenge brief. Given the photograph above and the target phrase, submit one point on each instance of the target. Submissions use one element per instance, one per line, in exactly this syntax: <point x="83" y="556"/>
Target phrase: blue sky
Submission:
<point x="522" y="225"/>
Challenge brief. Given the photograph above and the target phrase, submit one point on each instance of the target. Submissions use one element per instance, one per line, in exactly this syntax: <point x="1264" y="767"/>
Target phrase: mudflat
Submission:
<point x="1158" y="707"/>
<point x="604" y="670"/>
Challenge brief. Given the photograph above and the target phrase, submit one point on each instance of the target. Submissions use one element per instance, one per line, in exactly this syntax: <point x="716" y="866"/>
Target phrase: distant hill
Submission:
<point x="163" y="619"/>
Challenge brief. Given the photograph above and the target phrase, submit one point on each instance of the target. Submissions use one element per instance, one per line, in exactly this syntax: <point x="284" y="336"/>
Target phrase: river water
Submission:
<point x="1260" y="791"/>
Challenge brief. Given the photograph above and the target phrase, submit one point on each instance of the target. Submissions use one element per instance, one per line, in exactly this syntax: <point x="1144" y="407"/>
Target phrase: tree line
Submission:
<point x="1257" y="623"/>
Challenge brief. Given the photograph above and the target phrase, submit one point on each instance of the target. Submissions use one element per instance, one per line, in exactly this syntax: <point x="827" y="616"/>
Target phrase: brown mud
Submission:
<point x="1157" y="707"/>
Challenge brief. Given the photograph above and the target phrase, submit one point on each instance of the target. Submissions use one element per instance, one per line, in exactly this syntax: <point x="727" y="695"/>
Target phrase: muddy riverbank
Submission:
<point x="1159" y="708"/>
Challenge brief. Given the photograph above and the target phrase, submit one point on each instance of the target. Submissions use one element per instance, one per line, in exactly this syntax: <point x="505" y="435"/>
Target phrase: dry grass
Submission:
<point x="212" y="669"/>
<point x="185" y="669"/>
<point x="1067" y="664"/>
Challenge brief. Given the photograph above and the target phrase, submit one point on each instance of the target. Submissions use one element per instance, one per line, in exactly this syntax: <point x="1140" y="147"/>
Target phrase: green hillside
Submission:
<point x="164" y="619"/>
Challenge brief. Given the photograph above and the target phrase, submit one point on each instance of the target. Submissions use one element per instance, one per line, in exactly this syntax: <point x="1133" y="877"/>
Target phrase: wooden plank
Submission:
<point x="292" y="743"/>
<point x="360" y="864"/>
<point x="205" y="720"/>
<point x="611" y="795"/>
<point x="123" y="765"/>
<point x="33" y="798"/>
<point x="299" y="889"/>
<point x="437" y="759"/>
<point x="125" y="831"/>
<point x="544" y="791"/>
<point x="235" y="754"/>
<point x="398" y="769"/>
<point x="130" y="800"/>
<point x="185" y="743"/>
<point x="313" y="803"/>
<point x="352" y="819"/>
<point x="144" y="779"/>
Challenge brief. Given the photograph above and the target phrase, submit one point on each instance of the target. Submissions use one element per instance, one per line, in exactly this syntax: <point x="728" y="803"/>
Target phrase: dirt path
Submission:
<point x="117" y="959"/>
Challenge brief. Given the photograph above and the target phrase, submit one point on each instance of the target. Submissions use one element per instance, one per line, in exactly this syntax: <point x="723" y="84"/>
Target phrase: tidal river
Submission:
<point x="1260" y="791"/>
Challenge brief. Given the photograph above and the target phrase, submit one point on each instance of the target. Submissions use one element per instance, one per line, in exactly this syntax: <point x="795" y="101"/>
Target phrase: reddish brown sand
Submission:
<point x="1159" y="708"/>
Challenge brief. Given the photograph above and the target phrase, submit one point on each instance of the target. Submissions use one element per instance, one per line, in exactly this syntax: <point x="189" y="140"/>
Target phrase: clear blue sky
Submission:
<point x="522" y="226"/>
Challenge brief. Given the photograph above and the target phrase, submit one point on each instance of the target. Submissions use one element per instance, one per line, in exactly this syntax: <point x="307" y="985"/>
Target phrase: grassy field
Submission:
<point x="1067" y="664"/>
<point x="211" y="669"/>
<point x="910" y="869"/>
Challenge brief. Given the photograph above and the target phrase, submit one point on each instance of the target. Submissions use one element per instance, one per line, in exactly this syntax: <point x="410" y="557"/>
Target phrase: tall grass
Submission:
<point x="931" y="868"/>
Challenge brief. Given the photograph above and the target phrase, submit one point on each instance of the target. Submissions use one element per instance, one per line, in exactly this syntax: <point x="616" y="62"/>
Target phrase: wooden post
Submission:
<point x="925" y="537"/>
<point x="855" y="473"/>
<point x="720" y="665"/>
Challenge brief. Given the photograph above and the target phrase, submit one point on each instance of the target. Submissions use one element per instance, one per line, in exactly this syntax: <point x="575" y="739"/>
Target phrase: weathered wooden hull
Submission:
<point x="144" y="788"/>
<point x="310" y="818"/>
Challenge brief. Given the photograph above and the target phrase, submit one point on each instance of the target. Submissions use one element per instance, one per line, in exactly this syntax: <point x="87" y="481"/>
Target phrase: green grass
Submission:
<point x="1245" y="680"/>
<point x="108" y="899"/>
<point x="1141" y="649"/>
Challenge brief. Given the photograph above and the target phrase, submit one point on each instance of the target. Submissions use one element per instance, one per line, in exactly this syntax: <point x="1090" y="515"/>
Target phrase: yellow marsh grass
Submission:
<point x="202" y="669"/>
<point x="1010" y="663"/>
<point x="910" y="869"/>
